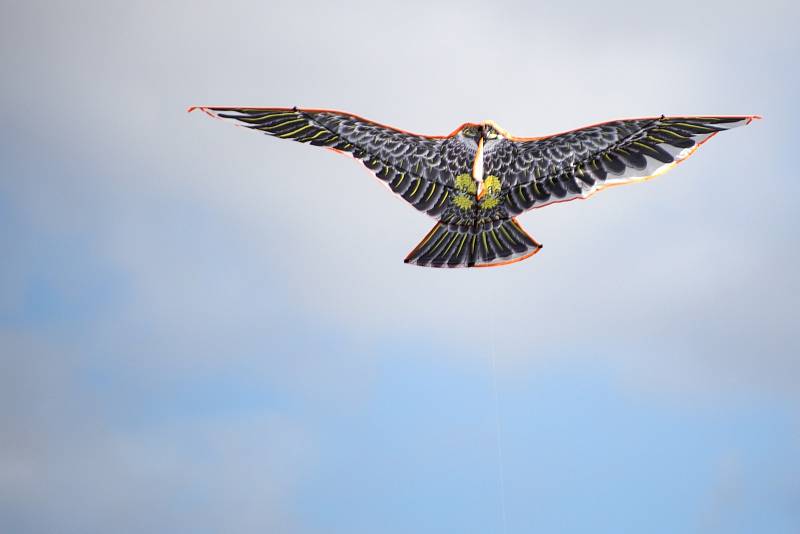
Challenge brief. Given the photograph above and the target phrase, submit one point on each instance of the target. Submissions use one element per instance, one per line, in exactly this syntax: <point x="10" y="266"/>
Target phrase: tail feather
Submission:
<point x="487" y="245"/>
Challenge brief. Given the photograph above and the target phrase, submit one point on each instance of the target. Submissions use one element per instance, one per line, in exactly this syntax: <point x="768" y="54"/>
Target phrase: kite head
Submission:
<point x="486" y="133"/>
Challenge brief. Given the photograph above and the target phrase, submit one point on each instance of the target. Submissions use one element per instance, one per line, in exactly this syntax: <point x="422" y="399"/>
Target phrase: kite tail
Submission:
<point x="485" y="245"/>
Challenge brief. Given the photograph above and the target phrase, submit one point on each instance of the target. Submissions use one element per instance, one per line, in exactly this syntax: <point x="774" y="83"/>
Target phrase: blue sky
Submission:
<point x="205" y="330"/>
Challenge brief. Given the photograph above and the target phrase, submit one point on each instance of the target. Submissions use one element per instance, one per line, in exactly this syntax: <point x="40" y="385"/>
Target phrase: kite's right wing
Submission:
<point x="538" y="172"/>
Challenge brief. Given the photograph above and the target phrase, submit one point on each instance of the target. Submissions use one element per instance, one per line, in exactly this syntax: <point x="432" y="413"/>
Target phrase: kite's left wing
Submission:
<point x="421" y="169"/>
<point x="538" y="172"/>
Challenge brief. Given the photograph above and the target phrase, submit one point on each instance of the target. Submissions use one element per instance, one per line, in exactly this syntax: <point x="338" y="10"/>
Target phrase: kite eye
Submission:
<point x="470" y="132"/>
<point x="491" y="134"/>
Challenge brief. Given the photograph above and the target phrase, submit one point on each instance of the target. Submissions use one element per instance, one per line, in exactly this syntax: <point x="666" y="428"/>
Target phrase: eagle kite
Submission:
<point x="477" y="179"/>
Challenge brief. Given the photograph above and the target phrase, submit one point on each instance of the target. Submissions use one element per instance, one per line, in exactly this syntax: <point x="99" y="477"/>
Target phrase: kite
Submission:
<point x="477" y="179"/>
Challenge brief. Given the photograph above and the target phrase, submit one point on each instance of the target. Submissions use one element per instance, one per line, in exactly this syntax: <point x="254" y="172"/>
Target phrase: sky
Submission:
<point x="206" y="330"/>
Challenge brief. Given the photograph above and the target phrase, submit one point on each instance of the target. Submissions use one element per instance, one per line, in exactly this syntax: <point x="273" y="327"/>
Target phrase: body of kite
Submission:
<point x="476" y="180"/>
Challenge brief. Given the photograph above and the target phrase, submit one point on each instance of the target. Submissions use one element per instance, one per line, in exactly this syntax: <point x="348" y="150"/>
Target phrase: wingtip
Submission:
<point x="205" y="109"/>
<point x="751" y="118"/>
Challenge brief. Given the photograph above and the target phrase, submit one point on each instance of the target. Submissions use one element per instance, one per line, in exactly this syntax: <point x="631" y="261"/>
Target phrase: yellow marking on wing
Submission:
<point x="281" y="124"/>
<point x="646" y="147"/>
<point x="673" y="134"/>
<point x="433" y="188"/>
<point x="256" y="118"/>
<point x="695" y="126"/>
<point x="315" y="135"/>
<point x="416" y="187"/>
<point x="290" y="134"/>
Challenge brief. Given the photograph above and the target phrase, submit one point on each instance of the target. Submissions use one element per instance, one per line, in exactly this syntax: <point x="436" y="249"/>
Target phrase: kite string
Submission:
<point x="498" y="440"/>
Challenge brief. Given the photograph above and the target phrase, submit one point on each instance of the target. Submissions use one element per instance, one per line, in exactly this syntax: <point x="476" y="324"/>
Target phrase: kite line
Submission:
<point x="497" y="428"/>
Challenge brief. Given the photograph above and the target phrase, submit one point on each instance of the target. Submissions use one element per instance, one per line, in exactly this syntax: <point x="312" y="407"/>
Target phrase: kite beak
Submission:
<point x="477" y="168"/>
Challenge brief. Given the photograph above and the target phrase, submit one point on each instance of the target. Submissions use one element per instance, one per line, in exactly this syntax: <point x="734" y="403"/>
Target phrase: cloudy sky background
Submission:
<point x="205" y="330"/>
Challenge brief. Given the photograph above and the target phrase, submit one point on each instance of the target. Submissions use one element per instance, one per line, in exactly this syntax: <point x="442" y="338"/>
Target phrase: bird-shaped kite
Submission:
<point x="476" y="180"/>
